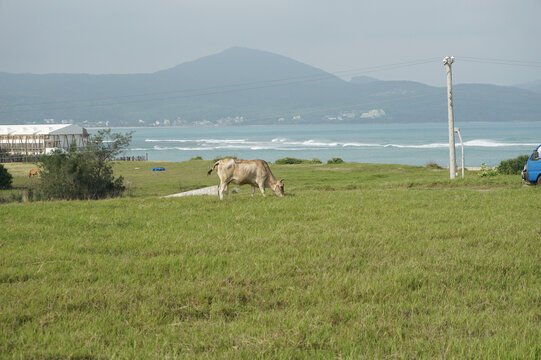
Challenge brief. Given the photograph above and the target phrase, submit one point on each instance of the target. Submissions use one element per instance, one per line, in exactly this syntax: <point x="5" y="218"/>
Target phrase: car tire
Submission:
<point x="538" y="182"/>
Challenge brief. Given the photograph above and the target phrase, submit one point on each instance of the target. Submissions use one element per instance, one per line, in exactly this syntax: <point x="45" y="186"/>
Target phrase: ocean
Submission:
<point x="410" y="144"/>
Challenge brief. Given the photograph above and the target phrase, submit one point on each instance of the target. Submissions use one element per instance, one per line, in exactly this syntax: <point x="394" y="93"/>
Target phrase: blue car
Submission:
<point x="532" y="169"/>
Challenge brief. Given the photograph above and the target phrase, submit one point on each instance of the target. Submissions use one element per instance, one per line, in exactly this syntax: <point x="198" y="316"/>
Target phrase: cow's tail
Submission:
<point x="215" y="164"/>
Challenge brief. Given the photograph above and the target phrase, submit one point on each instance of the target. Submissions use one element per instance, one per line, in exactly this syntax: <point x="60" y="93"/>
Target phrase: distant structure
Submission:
<point x="41" y="139"/>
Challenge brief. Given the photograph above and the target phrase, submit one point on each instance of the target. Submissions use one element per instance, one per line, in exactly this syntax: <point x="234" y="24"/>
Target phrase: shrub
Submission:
<point x="84" y="173"/>
<point x="486" y="171"/>
<point x="513" y="166"/>
<point x="223" y="157"/>
<point x="196" y="158"/>
<point x="289" y="160"/>
<point x="335" y="161"/>
<point x="432" y="165"/>
<point x="315" y="161"/>
<point x="5" y="178"/>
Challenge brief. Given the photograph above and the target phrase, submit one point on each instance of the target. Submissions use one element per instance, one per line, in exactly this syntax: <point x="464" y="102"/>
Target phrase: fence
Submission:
<point x="12" y="158"/>
<point x="16" y="158"/>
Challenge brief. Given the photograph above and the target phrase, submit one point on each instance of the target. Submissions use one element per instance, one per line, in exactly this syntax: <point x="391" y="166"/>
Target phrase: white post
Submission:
<point x="452" y="152"/>
<point x="457" y="130"/>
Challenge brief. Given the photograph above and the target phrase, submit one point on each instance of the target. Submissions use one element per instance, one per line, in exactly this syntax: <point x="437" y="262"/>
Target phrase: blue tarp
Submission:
<point x="157" y="169"/>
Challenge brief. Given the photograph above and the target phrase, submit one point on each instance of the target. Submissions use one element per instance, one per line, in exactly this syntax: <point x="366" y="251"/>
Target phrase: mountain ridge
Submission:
<point x="246" y="86"/>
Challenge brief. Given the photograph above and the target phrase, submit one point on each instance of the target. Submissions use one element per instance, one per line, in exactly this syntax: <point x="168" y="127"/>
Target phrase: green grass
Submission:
<point x="357" y="261"/>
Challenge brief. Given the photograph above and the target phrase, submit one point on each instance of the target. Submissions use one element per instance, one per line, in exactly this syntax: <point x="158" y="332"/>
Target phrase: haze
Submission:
<point x="137" y="36"/>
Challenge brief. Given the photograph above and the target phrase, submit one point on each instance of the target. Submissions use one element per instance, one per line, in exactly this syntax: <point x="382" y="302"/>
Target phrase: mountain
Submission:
<point x="363" y="79"/>
<point x="534" y="86"/>
<point x="245" y="86"/>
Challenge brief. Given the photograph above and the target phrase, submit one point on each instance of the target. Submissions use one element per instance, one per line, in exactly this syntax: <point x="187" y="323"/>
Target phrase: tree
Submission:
<point x="106" y="146"/>
<point x="84" y="173"/>
<point x="5" y="178"/>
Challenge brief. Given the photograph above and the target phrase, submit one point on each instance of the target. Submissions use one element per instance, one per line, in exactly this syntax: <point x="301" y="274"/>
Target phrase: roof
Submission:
<point x="53" y="129"/>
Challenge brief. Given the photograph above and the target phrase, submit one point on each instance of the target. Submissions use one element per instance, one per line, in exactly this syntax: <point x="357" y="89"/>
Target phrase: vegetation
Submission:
<point x="223" y="157"/>
<point x="5" y="178"/>
<point x="513" y="166"/>
<point x="84" y="173"/>
<point x="335" y="161"/>
<point x="433" y="165"/>
<point x="390" y="261"/>
<point x="486" y="171"/>
<point x="291" y="161"/>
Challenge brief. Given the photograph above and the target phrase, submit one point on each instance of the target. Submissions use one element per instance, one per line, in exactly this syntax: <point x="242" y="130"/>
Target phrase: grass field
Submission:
<point x="357" y="261"/>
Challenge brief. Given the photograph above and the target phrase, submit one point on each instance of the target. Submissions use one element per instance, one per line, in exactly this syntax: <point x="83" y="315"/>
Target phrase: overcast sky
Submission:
<point x="143" y="36"/>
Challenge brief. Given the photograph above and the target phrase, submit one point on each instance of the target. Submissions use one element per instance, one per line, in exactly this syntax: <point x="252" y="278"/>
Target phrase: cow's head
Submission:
<point x="279" y="188"/>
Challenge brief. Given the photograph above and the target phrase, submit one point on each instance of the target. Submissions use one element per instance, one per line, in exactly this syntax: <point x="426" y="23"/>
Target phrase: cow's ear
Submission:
<point x="281" y="180"/>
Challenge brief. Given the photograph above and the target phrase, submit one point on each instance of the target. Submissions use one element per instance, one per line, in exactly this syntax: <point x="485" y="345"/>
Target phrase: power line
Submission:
<point x="509" y="62"/>
<point x="219" y="89"/>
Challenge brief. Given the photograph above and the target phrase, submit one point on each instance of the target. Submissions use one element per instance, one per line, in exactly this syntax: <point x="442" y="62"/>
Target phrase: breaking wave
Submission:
<point x="301" y="145"/>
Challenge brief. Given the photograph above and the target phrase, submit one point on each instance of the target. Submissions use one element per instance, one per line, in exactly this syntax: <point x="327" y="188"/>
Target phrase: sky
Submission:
<point x="493" y="41"/>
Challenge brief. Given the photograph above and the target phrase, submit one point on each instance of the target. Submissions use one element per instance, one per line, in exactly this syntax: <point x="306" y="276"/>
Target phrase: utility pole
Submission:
<point x="452" y="152"/>
<point x="457" y="130"/>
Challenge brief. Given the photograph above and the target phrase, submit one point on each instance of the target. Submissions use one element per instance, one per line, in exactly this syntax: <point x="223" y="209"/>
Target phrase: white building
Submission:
<point x="41" y="139"/>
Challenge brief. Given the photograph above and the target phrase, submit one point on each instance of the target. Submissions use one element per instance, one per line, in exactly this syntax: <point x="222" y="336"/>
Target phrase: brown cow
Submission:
<point x="34" y="172"/>
<point x="240" y="172"/>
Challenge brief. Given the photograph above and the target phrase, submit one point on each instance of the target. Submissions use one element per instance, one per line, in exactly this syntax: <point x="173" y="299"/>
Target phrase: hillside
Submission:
<point x="245" y="86"/>
<point x="534" y="86"/>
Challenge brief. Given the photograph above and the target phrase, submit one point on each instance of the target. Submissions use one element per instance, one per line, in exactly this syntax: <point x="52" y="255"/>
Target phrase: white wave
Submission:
<point x="422" y="146"/>
<point x="169" y="148"/>
<point x="353" y="144"/>
<point x="310" y="144"/>
<point x="202" y="141"/>
<point x="168" y="140"/>
<point x="470" y="143"/>
<point x="224" y="141"/>
<point x="280" y="148"/>
<point x="493" y="143"/>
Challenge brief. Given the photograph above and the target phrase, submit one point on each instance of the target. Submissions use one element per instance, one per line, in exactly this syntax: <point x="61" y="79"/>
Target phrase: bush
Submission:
<point x="335" y="161"/>
<point x="5" y="178"/>
<point x="513" y="166"/>
<point x="196" y="158"/>
<point x="484" y="172"/>
<point x="224" y="157"/>
<point x="289" y="160"/>
<point x="84" y="173"/>
<point x="315" y="161"/>
<point x="433" y="165"/>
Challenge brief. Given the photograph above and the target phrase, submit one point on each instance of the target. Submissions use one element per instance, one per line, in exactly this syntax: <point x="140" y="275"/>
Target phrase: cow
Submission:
<point x="240" y="172"/>
<point x="34" y="172"/>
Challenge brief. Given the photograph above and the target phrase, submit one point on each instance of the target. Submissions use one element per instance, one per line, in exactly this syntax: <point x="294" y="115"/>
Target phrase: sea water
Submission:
<point x="410" y="144"/>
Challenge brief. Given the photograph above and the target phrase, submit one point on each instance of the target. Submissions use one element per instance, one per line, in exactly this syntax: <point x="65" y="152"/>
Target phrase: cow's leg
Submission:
<point x="262" y="189"/>
<point x="253" y="190"/>
<point x="221" y="191"/>
<point x="226" y="189"/>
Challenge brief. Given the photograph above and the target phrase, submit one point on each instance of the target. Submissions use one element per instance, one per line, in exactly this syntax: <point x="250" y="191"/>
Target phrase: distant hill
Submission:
<point x="363" y="79"/>
<point x="245" y="86"/>
<point x="534" y="86"/>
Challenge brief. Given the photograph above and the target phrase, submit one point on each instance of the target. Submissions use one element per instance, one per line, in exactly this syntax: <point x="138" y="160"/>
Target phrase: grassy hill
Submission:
<point x="357" y="261"/>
